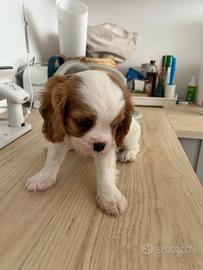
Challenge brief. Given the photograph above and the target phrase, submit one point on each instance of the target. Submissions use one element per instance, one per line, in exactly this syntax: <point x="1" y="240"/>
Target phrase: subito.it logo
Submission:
<point x="148" y="249"/>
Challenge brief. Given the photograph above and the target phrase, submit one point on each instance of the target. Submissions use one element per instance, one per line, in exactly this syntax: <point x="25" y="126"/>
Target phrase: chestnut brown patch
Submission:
<point x="123" y="127"/>
<point x="117" y="121"/>
<point x="62" y="108"/>
<point x="79" y="117"/>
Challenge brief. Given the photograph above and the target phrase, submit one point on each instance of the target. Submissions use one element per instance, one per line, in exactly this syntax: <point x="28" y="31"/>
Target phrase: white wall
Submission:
<point x="41" y="16"/>
<point x="173" y="27"/>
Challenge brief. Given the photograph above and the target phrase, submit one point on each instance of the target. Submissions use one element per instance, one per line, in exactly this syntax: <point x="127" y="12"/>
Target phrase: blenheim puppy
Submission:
<point x="90" y="112"/>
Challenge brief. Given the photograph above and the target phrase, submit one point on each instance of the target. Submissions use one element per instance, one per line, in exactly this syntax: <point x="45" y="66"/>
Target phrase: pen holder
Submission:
<point x="169" y="91"/>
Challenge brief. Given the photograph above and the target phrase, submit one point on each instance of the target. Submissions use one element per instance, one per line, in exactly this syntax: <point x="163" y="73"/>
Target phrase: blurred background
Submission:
<point x="165" y="27"/>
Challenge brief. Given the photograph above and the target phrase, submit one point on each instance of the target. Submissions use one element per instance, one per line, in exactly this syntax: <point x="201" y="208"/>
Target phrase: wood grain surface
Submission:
<point x="186" y="121"/>
<point x="64" y="229"/>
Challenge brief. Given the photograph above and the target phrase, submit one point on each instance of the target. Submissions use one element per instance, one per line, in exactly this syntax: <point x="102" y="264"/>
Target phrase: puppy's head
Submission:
<point x="92" y="108"/>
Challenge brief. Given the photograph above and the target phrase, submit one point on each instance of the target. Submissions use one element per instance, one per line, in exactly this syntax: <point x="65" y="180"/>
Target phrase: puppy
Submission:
<point x="90" y="112"/>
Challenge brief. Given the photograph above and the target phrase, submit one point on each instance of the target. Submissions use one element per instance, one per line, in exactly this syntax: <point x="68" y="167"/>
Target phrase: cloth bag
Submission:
<point x="110" y="41"/>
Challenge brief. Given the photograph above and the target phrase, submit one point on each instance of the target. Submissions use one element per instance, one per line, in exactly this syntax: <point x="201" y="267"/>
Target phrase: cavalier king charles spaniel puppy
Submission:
<point x="89" y="112"/>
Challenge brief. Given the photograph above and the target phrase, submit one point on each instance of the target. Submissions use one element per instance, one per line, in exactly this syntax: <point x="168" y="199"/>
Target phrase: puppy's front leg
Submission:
<point x="131" y="143"/>
<point x="46" y="177"/>
<point x="109" y="198"/>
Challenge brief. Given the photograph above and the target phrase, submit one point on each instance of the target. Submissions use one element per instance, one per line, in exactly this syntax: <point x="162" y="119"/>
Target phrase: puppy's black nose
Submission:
<point x="98" y="147"/>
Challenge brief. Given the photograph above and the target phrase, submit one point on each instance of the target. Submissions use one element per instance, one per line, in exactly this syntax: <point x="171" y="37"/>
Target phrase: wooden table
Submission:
<point x="186" y="121"/>
<point x="64" y="229"/>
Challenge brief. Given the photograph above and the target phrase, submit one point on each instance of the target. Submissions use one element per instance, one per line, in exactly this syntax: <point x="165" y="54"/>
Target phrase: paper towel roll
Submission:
<point x="199" y="100"/>
<point x="72" y="25"/>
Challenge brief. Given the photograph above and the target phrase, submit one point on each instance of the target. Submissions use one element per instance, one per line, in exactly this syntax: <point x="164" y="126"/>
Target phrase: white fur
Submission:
<point x="131" y="146"/>
<point x="46" y="177"/>
<point x="106" y="99"/>
<point x="101" y="94"/>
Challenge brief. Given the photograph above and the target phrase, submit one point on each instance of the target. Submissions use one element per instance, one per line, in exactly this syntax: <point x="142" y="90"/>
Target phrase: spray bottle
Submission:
<point x="191" y="90"/>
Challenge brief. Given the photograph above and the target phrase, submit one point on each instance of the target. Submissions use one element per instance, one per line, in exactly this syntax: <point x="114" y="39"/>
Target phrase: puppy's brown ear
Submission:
<point x="123" y="128"/>
<point x="53" y="101"/>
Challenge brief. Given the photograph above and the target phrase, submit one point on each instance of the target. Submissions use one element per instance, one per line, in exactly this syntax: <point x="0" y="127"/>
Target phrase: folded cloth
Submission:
<point x="89" y="60"/>
<point x="110" y="41"/>
<point x="72" y="66"/>
<point x="57" y="60"/>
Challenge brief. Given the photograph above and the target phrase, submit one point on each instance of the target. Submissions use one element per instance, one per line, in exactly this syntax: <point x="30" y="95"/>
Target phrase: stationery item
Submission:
<point x="191" y="90"/>
<point x="169" y="91"/>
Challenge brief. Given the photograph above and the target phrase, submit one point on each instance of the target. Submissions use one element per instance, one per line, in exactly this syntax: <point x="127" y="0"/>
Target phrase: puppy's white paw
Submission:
<point x="127" y="154"/>
<point x="40" y="181"/>
<point x="112" y="205"/>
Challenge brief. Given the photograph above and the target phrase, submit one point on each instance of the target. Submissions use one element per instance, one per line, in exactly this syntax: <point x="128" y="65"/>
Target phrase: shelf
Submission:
<point x="154" y="101"/>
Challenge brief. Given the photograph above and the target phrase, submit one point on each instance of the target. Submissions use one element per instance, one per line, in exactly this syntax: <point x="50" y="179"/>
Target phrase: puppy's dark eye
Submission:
<point x="86" y="123"/>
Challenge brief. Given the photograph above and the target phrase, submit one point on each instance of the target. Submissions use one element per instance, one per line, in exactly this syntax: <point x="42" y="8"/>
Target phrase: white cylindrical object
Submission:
<point x="169" y="91"/>
<point x="72" y="25"/>
<point x="199" y="99"/>
<point x="15" y="112"/>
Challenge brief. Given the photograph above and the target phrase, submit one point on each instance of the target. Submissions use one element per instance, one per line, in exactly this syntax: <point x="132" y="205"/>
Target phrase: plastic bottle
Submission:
<point x="191" y="90"/>
<point x="173" y="70"/>
<point x="151" y="76"/>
